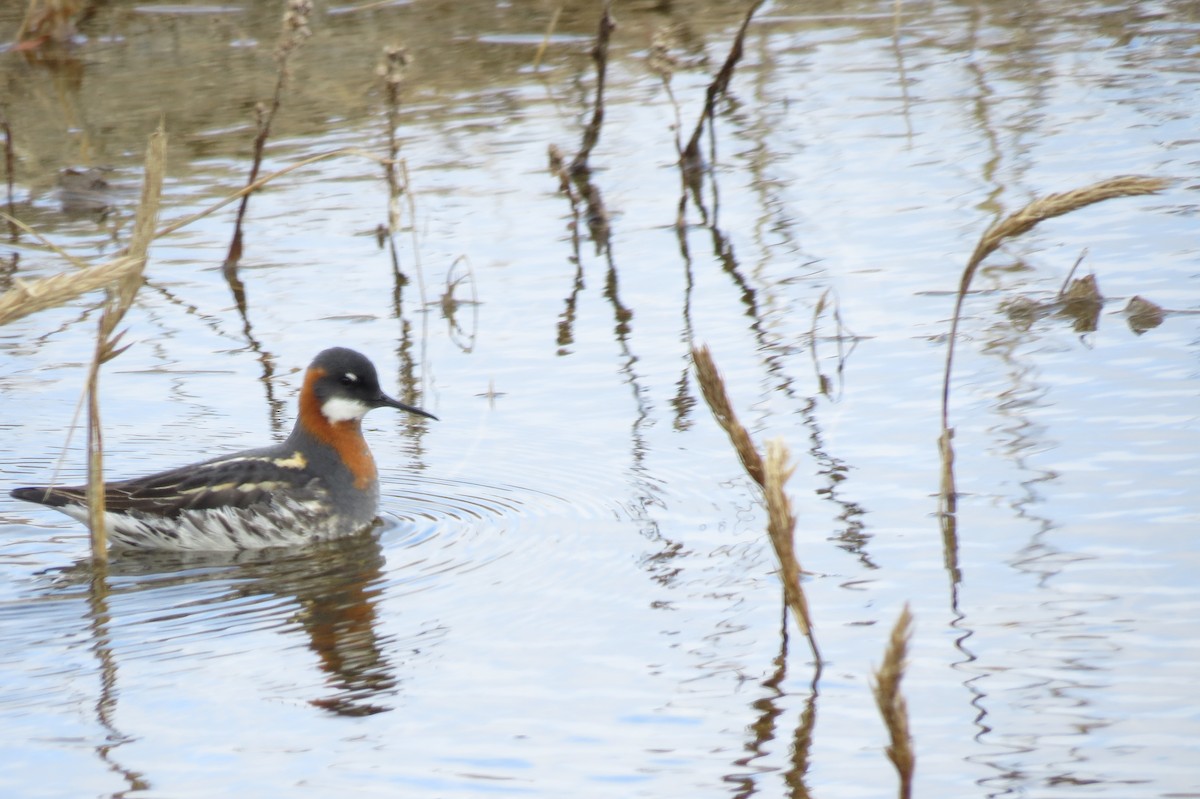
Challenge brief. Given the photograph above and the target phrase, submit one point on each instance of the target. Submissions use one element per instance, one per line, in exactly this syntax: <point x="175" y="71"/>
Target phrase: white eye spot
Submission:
<point x="344" y="409"/>
<point x="349" y="377"/>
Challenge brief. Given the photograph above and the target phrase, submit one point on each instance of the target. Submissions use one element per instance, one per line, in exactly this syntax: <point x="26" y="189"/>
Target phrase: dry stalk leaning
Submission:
<point x="771" y="474"/>
<point x="30" y="296"/>
<point x="892" y="706"/>
<point x="120" y="298"/>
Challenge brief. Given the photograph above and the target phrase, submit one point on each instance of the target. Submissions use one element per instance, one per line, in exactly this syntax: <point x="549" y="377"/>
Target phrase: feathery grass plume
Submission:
<point x="1053" y="205"/>
<point x="781" y="528"/>
<point x="892" y="706"/>
<point x="771" y="474"/>
<point x="998" y="232"/>
<point x="713" y="388"/>
<point x="120" y="298"/>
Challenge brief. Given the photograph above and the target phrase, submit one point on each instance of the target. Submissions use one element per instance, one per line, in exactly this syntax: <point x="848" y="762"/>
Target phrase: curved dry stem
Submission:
<point x="1023" y="221"/>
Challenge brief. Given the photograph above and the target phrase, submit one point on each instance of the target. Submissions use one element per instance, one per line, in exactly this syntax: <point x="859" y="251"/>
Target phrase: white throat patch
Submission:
<point x="342" y="409"/>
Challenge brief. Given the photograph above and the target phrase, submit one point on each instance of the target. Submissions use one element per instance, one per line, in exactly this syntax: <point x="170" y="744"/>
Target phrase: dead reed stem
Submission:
<point x="391" y="70"/>
<point x="998" y="232"/>
<point x="395" y="62"/>
<point x="892" y="706"/>
<point x="771" y="474"/>
<point x="120" y="297"/>
<point x="575" y="178"/>
<point x="662" y="63"/>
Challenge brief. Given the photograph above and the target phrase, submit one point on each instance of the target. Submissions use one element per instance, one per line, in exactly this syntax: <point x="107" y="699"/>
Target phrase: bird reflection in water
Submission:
<point x="335" y="588"/>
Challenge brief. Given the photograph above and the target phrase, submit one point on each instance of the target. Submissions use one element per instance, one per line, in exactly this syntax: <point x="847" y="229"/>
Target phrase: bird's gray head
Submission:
<point x="345" y="386"/>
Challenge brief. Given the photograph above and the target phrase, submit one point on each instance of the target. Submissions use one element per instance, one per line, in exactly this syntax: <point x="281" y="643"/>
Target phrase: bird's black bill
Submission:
<point x="385" y="401"/>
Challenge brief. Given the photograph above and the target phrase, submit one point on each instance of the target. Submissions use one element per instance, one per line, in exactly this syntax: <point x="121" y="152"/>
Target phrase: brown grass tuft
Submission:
<point x="891" y="702"/>
<point x="1053" y="205"/>
<point x="781" y="527"/>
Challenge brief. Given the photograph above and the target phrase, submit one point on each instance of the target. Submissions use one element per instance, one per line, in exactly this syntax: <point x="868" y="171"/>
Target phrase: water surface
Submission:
<point x="570" y="592"/>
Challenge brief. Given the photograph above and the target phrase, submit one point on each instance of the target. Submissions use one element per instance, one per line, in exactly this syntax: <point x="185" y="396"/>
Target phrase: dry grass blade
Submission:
<point x="891" y="702"/>
<point x="713" y="387"/>
<point x="184" y="221"/>
<point x="120" y="298"/>
<point x="45" y="242"/>
<point x="28" y="297"/>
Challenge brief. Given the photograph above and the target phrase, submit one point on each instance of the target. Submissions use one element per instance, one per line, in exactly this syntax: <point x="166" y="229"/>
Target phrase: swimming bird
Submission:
<point x="320" y="483"/>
